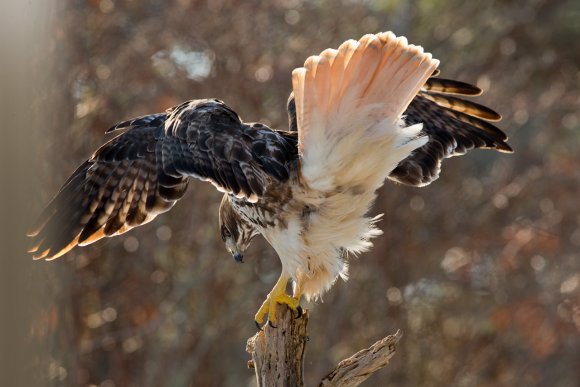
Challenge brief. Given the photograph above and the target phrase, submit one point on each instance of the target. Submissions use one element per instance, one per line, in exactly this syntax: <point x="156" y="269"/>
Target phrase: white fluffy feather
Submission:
<point x="348" y="105"/>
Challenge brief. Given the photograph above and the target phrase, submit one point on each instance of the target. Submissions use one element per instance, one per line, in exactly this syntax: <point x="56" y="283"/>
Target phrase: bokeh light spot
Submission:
<point x="131" y="244"/>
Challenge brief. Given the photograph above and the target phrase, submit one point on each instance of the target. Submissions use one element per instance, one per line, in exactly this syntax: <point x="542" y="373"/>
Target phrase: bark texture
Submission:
<point x="278" y="355"/>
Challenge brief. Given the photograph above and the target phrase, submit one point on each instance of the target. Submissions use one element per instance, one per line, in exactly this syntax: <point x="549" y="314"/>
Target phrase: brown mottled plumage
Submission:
<point x="369" y="111"/>
<point x="144" y="171"/>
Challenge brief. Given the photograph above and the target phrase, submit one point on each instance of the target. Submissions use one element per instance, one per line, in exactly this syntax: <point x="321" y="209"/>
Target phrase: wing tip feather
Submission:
<point x="91" y="238"/>
<point x="64" y="250"/>
<point x="41" y="255"/>
<point x="504" y="147"/>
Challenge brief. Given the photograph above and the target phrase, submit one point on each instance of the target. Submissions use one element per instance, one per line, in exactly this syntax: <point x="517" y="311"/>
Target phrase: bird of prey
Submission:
<point x="371" y="110"/>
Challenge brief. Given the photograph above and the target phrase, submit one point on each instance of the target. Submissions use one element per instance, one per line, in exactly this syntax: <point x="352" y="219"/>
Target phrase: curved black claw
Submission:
<point x="258" y="326"/>
<point x="299" y="311"/>
<point x="272" y="325"/>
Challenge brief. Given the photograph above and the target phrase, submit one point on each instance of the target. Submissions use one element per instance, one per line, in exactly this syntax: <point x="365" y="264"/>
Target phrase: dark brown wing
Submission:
<point x="120" y="187"/>
<point x="144" y="171"/>
<point x="454" y="126"/>
<point x="207" y="140"/>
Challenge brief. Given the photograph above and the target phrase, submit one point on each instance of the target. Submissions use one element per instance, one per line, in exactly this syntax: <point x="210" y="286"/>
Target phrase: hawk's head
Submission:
<point x="235" y="231"/>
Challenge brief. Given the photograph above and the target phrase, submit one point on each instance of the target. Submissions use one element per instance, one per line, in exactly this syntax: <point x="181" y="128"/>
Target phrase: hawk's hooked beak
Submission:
<point x="238" y="257"/>
<point x="234" y="250"/>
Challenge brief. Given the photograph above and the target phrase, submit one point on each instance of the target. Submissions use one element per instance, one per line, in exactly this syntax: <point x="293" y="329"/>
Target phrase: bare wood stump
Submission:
<point x="278" y="353"/>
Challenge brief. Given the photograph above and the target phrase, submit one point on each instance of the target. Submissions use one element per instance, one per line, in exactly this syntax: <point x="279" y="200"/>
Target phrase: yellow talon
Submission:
<point x="277" y="296"/>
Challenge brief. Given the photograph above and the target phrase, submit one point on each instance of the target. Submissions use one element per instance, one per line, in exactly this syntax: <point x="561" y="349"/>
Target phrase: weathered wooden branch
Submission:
<point x="360" y="366"/>
<point x="278" y="355"/>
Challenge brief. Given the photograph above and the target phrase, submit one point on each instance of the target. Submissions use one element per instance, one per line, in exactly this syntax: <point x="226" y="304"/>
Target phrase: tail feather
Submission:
<point x="361" y="68"/>
<point x="348" y="108"/>
<point x="404" y="71"/>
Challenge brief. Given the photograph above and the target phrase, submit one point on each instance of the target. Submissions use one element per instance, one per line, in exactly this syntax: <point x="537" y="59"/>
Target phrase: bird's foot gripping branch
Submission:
<point x="277" y="297"/>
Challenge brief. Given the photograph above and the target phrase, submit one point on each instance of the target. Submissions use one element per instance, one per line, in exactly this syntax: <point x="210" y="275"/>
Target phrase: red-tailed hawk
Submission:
<point x="369" y="111"/>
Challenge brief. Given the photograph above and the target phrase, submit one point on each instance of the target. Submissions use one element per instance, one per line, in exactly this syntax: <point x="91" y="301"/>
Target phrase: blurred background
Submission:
<point x="480" y="270"/>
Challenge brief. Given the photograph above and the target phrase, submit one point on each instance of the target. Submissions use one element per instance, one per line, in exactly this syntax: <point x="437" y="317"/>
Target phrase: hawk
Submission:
<point x="371" y="110"/>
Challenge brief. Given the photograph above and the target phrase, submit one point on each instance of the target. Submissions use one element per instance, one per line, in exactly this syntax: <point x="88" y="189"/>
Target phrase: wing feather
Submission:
<point x="463" y="106"/>
<point x="142" y="172"/>
<point x="450" y="86"/>
<point x="454" y="126"/>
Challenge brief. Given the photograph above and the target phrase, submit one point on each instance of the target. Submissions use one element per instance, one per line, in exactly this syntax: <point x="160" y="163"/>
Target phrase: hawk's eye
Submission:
<point x="225" y="233"/>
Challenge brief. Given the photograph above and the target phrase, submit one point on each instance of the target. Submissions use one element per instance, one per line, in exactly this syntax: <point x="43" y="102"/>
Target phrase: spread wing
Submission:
<point x="454" y="126"/>
<point x="144" y="171"/>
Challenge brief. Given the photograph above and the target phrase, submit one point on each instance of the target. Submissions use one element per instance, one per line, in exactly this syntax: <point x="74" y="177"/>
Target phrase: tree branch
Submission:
<point x="360" y="366"/>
